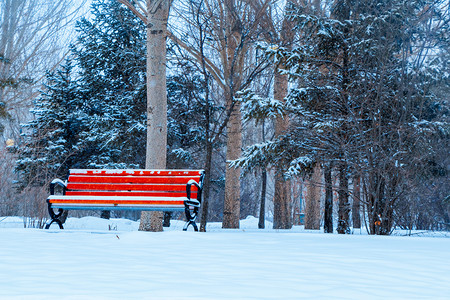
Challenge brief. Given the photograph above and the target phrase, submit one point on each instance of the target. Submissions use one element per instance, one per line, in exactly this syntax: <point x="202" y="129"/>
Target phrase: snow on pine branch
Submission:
<point x="299" y="165"/>
<point x="182" y="154"/>
<point x="257" y="155"/>
<point x="259" y="108"/>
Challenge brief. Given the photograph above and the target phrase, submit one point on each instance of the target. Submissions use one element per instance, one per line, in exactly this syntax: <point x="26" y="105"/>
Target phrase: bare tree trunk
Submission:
<point x="158" y="13"/>
<point x="356" y="216"/>
<point x="233" y="59"/>
<point x="344" y="205"/>
<point x="282" y="218"/>
<point x="262" y="207"/>
<point x="312" y="201"/>
<point x="328" y="217"/>
<point x="206" y="186"/>
<point x="231" y="211"/>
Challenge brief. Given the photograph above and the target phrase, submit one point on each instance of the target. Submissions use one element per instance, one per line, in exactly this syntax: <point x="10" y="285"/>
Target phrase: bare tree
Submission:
<point x="356" y="195"/>
<point x="30" y="43"/>
<point x="230" y="29"/>
<point x="154" y="14"/>
<point x="34" y="38"/>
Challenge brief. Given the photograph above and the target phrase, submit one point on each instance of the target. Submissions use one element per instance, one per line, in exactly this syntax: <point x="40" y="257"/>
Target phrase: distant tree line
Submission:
<point x="348" y="97"/>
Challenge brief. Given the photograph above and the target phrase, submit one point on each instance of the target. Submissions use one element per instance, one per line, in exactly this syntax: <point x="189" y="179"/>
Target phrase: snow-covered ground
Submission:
<point x="109" y="259"/>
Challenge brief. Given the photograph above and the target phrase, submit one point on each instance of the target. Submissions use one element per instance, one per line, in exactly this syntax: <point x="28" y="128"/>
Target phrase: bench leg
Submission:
<point x="191" y="215"/>
<point x="192" y="222"/>
<point x="54" y="217"/>
<point x="57" y="221"/>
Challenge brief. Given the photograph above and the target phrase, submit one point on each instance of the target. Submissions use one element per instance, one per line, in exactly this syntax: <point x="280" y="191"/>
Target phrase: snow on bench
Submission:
<point x="150" y="190"/>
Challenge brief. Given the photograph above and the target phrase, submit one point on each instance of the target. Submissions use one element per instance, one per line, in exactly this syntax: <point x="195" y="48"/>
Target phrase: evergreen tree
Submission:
<point x="110" y="54"/>
<point x="92" y="111"/>
<point x="358" y="102"/>
<point x="53" y="140"/>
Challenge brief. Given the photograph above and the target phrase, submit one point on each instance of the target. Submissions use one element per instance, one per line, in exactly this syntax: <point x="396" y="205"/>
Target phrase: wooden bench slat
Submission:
<point x="122" y="203"/>
<point x="126" y="187"/>
<point x="135" y="172"/>
<point x="118" y="199"/>
<point x="128" y="193"/>
<point x="131" y="179"/>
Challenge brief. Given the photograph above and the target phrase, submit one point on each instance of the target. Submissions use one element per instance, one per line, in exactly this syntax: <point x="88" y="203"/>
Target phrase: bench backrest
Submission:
<point x="134" y="182"/>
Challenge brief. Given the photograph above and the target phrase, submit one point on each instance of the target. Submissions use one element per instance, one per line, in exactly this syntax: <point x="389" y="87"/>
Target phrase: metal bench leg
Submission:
<point x="191" y="222"/>
<point x="54" y="217"/>
<point x="191" y="215"/>
<point x="57" y="221"/>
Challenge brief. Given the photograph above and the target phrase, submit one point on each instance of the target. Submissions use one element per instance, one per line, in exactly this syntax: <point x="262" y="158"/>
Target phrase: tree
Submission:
<point x="95" y="117"/>
<point x="154" y="15"/>
<point x="358" y="104"/>
<point x="230" y="26"/>
<point x="30" y="44"/>
<point x="312" y="200"/>
<point x="91" y="118"/>
<point x="283" y="36"/>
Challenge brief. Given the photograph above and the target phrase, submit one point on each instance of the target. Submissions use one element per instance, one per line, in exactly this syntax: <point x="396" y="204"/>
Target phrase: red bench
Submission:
<point x="163" y="190"/>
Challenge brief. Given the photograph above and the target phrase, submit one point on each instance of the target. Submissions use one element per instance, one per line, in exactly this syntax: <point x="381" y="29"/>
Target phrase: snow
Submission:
<point x="109" y="259"/>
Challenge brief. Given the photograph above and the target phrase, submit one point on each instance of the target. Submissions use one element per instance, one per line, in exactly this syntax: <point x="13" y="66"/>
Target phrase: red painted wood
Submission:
<point x="127" y="193"/>
<point x="94" y="172"/>
<point x="126" y="187"/>
<point x="131" y="179"/>
<point x="102" y="202"/>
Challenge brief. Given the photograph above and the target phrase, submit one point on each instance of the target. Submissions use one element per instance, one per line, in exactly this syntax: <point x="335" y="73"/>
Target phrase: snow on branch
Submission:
<point x="299" y="165"/>
<point x="259" y="108"/>
<point x="257" y="155"/>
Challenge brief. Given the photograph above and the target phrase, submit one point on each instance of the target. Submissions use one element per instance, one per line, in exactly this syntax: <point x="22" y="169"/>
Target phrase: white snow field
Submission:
<point x="88" y="261"/>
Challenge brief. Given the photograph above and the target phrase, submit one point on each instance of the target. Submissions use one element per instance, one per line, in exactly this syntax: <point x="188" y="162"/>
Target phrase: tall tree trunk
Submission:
<point x="344" y="205"/>
<point x="233" y="62"/>
<point x="328" y="217"/>
<point x="158" y="13"/>
<point x="232" y="207"/>
<point x="356" y="215"/>
<point x="206" y="186"/>
<point x="312" y="201"/>
<point x="262" y="205"/>
<point x="282" y="218"/>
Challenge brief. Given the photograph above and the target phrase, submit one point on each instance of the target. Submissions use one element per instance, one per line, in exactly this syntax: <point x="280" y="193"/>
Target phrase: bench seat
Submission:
<point x="144" y="190"/>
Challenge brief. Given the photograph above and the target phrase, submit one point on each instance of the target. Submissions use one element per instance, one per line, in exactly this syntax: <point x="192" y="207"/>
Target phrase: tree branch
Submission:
<point x="141" y="16"/>
<point x="208" y="64"/>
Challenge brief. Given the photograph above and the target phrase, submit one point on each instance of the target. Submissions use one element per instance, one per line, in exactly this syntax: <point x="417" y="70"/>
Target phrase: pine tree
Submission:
<point x="111" y="56"/>
<point x="359" y="102"/>
<point x="53" y="140"/>
<point x="92" y="111"/>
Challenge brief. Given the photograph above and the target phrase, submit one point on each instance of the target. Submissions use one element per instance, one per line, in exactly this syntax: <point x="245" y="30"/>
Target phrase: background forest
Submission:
<point x="327" y="113"/>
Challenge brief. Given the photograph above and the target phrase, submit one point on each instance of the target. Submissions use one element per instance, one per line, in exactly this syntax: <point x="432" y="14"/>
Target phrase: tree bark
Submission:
<point x="206" y="185"/>
<point x="328" y="217"/>
<point x="282" y="218"/>
<point x="356" y="216"/>
<point x="262" y="207"/>
<point x="231" y="211"/>
<point x="312" y="201"/>
<point x="156" y="99"/>
<point x="344" y="205"/>
<point x="233" y="62"/>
